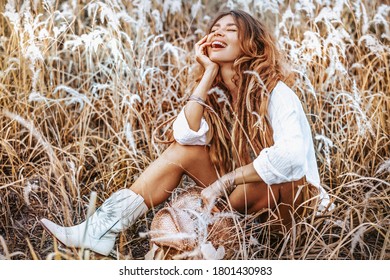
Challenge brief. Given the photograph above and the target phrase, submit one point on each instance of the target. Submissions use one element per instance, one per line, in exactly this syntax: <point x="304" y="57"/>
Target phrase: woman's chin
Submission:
<point x="219" y="60"/>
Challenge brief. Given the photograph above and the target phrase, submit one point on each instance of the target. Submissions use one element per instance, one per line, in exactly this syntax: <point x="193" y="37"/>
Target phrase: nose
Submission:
<point x="219" y="32"/>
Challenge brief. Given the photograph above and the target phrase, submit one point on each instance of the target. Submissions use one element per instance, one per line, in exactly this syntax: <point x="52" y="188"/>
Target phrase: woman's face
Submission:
<point x="225" y="47"/>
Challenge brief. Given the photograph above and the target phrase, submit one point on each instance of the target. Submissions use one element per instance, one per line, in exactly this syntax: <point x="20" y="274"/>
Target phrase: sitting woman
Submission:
<point x="256" y="147"/>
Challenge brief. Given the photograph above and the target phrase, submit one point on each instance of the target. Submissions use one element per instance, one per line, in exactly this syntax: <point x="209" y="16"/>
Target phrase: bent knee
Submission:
<point x="186" y="154"/>
<point x="254" y="197"/>
<point x="189" y="150"/>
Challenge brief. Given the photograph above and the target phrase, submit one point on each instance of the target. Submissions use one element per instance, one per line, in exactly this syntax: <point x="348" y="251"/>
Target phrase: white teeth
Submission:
<point x="223" y="45"/>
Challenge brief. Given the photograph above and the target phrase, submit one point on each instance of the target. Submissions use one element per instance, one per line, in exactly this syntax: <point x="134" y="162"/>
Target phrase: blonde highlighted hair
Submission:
<point x="239" y="132"/>
<point x="258" y="70"/>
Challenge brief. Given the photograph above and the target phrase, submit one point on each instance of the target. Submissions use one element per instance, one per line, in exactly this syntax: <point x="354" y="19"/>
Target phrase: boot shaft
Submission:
<point x="99" y="231"/>
<point x="118" y="212"/>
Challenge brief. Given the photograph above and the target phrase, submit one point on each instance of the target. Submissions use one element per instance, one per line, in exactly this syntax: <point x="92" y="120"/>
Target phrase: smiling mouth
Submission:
<point x="218" y="45"/>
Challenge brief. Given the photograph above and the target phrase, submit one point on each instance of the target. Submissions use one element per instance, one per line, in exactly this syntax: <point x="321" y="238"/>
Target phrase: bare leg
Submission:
<point x="122" y="209"/>
<point x="254" y="197"/>
<point x="284" y="199"/>
<point x="162" y="176"/>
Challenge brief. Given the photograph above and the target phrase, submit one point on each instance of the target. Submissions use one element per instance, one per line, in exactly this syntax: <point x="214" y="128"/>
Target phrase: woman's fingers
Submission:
<point x="202" y="43"/>
<point x="201" y="54"/>
<point x="202" y="50"/>
<point x="201" y="47"/>
<point x="201" y="40"/>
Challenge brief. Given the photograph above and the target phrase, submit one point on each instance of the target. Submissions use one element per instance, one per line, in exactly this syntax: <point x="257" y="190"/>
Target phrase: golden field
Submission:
<point x="85" y="84"/>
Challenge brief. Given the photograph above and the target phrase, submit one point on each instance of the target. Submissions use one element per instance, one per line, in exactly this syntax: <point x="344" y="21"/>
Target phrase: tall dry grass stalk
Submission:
<point x="84" y="84"/>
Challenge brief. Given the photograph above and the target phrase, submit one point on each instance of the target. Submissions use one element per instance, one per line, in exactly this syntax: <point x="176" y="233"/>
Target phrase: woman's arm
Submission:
<point x="227" y="183"/>
<point x="286" y="160"/>
<point x="246" y="174"/>
<point x="282" y="162"/>
<point x="193" y="110"/>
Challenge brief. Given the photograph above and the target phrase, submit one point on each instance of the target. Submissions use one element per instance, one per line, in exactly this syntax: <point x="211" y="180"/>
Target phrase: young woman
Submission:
<point x="255" y="146"/>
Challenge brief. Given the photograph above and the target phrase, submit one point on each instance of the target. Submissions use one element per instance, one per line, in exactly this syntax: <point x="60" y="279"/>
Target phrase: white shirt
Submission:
<point x="290" y="158"/>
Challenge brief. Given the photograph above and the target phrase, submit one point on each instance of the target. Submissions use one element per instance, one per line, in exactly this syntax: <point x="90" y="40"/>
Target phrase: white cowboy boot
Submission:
<point x="98" y="232"/>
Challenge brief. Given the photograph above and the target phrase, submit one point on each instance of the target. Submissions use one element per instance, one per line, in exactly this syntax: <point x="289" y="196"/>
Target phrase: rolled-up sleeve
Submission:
<point x="184" y="135"/>
<point x="285" y="161"/>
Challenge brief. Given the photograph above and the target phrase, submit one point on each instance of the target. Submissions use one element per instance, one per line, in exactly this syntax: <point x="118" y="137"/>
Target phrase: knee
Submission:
<point x="254" y="197"/>
<point x="185" y="154"/>
<point x="190" y="150"/>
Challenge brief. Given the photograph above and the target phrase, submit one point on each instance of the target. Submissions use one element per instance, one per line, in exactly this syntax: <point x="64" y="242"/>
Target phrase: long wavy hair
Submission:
<point x="238" y="132"/>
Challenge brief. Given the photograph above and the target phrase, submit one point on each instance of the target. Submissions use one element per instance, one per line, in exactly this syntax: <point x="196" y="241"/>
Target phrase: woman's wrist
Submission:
<point x="205" y="84"/>
<point x="197" y="99"/>
<point x="229" y="181"/>
<point x="211" y="71"/>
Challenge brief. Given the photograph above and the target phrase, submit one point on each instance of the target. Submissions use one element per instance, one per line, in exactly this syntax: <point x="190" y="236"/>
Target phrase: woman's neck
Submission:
<point x="227" y="74"/>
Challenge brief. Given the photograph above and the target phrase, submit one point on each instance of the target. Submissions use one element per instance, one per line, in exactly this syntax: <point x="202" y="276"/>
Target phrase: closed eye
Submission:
<point x="231" y="30"/>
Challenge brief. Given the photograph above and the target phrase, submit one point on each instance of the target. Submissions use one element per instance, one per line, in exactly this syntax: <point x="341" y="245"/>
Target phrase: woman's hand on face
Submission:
<point x="201" y="55"/>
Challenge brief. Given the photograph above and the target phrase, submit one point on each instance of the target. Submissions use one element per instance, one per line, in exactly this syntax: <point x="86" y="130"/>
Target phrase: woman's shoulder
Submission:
<point x="281" y="89"/>
<point x="282" y="94"/>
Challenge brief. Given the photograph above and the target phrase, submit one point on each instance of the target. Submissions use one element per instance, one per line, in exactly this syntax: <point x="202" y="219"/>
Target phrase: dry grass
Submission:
<point x="84" y="84"/>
